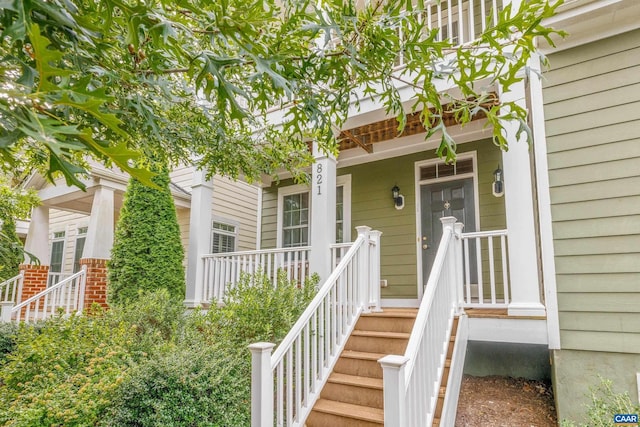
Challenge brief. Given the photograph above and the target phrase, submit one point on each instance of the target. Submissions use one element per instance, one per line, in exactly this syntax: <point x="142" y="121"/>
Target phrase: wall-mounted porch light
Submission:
<point x="398" y="199"/>
<point x="498" y="182"/>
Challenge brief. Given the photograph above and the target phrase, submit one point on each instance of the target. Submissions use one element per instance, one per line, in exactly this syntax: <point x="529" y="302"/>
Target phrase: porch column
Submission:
<point x="37" y="242"/>
<point x="35" y="277"/>
<point x="199" y="236"/>
<point x="323" y="212"/>
<point x="518" y="187"/>
<point x="97" y="247"/>
<point x="101" y="225"/>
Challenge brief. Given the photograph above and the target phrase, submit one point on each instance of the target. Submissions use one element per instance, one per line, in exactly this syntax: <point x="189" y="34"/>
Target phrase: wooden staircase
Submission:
<point x="352" y="396"/>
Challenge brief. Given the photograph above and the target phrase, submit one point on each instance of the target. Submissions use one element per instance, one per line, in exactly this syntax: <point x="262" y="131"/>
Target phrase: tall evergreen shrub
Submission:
<point x="147" y="252"/>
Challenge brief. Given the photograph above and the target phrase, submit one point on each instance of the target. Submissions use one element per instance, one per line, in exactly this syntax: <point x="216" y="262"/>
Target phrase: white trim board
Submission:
<point x="523" y="331"/>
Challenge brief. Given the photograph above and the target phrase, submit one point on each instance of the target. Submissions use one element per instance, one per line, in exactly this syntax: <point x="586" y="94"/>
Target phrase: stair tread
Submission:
<point x="392" y="314"/>
<point x="353" y="354"/>
<point x="380" y="334"/>
<point x="368" y="382"/>
<point x="350" y="410"/>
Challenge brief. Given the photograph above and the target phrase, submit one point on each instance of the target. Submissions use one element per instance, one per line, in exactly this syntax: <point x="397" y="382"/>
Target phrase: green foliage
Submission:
<point x="8" y="334"/>
<point x="605" y="403"/>
<point x="114" y="78"/>
<point x="204" y="378"/>
<point x="255" y="310"/>
<point x="66" y="371"/>
<point x="147" y="251"/>
<point x="14" y="204"/>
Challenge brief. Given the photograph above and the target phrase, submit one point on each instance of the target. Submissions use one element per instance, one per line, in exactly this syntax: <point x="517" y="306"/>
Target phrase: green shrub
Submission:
<point x="147" y="252"/>
<point x="8" y="333"/>
<point x="67" y="370"/>
<point x="205" y="378"/>
<point x="605" y="403"/>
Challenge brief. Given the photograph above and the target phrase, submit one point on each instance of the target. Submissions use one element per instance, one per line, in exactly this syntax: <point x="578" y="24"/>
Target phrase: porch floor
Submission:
<point x="496" y="313"/>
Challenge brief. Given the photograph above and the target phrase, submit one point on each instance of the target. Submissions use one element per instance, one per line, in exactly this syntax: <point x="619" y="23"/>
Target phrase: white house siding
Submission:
<point x="69" y="222"/>
<point x="592" y="113"/>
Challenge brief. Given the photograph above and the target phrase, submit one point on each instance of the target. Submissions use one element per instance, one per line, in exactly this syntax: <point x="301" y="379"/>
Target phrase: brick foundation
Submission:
<point x="35" y="280"/>
<point x="96" y="284"/>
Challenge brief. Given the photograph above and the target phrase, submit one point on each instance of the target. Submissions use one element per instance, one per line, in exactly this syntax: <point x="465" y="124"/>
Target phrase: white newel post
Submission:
<point x="200" y="218"/>
<point x="100" y="231"/>
<point x="394" y="388"/>
<point x="518" y="186"/>
<point x="375" y="269"/>
<point x="323" y="212"/>
<point x="364" y="267"/>
<point x="261" y="384"/>
<point x="37" y="242"/>
<point x="5" y="311"/>
<point x="458" y="256"/>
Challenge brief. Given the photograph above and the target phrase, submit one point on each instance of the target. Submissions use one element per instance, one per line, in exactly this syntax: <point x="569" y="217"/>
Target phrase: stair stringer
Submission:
<point x="452" y="392"/>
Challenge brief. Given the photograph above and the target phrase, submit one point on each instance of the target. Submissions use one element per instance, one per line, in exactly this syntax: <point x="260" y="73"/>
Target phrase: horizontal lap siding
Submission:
<point x="592" y="110"/>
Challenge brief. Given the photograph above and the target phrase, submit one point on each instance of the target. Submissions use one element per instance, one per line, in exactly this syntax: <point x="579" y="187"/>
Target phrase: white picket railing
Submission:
<point x="66" y="296"/>
<point x="300" y="366"/>
<point x="459" y="21"/>
<point x="54" y="277"/>
<point x="411" y="382"/>
<point x="487" y="252"/>
<point x="223" y="271"/>
<point x="11" y="288"/>
<point x="338" y="250"/>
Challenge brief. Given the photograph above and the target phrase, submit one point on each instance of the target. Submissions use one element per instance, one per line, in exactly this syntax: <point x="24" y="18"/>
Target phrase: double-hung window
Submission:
<point x="57" y="252"/>
<point x="80" y="239"/>
<point x="224" y="237"/>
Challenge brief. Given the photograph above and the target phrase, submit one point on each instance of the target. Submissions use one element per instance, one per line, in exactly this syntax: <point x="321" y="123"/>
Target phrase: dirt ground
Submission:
<point x="501" y="401"/>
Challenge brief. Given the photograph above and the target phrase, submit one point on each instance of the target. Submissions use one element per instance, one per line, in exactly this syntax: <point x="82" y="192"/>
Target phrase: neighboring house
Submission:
<point x="71" y="224"/>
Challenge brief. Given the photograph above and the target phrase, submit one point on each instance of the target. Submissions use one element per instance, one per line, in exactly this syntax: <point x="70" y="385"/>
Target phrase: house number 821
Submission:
<point x="319" y="177"/>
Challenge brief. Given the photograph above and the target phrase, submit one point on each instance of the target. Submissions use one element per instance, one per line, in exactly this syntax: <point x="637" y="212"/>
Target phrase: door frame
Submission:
<point x="418" y="194"/>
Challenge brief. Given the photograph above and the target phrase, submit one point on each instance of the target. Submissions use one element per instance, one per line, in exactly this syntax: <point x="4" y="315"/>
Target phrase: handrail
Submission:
<point x="411" y="382"/>
<point x="11" y="287"/>
<point x="67" y="294"/>
<point x="301" y="364"/>
<point x="255" y="252"/>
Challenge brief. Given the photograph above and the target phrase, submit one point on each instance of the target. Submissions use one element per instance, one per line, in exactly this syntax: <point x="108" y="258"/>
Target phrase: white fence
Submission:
<point x="411" y="382"/>
<point x="11" y="289"/>
<point x="223" y="271"/>
<point x="300" y="366"/>
<point x="486" y="279"/>
<point x="66" y="296"/>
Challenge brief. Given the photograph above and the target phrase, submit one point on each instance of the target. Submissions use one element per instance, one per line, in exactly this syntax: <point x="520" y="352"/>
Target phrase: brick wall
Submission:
<point x="35" y="279"/>
<point x="96" y="284"/>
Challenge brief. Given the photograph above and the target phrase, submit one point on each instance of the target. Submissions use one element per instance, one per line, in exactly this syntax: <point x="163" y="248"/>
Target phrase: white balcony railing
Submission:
<point x="66" y="297"/>
<point x="223" y="271"/>
<point x="411" y="382"/>
<point x="300" y="366"/>
<point x="459" y="21"/>
<point x="486" y="279"/>
<point x="54" y="277"/>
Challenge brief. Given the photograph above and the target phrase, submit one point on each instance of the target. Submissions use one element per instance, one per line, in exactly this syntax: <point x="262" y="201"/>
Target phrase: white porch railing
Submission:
<point x="300" y="366"/>
<point x="411" y="382"/>
<point x="54" y="277"/>
<point x="66" y="296"/>
<point x="338" y="250"/>
<point x="222" y="271"/>
<point x="486" y="285"/>
<point x="10" y="289"/>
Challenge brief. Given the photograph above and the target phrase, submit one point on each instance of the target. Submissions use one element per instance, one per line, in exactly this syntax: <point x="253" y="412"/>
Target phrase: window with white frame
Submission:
<point x="81" y="237"/>
<point x="57" y="252"/>
<point x="224" y="237"/>
<point x="294" y="216"/>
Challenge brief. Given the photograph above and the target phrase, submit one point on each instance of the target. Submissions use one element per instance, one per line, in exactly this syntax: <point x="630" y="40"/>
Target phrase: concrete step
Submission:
<point x="328" y="413"/>
<point x="358" y="390"/>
